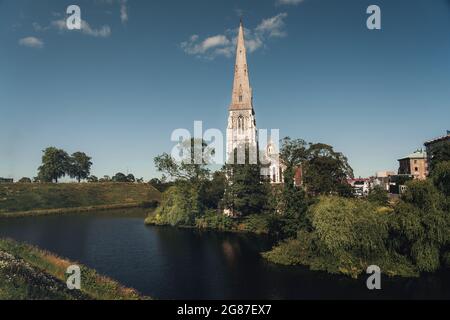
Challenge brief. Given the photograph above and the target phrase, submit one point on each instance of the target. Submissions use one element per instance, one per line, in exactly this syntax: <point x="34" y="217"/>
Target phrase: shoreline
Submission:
<point x="57" y="211"/>
<point x="28" y="272"/>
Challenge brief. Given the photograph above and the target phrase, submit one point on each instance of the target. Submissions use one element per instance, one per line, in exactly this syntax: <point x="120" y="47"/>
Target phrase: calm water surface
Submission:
<point x="170" y="263"/>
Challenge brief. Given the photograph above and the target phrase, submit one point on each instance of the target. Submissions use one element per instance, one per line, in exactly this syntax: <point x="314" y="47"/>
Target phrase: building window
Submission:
<point x="416" y="169"/>
<point x="240" y="124"/>
<point x="240" y="98"/>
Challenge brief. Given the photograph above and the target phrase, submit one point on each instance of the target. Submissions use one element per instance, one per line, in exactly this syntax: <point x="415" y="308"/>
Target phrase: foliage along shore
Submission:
<point x="43" y="199"/>
<point x="29" y="273"/>
<point x="257" y="224"/>
<point x="319" y="224"/>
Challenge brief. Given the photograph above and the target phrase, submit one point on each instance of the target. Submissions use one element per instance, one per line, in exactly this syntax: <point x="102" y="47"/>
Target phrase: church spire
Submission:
<point x="242" y="92"/>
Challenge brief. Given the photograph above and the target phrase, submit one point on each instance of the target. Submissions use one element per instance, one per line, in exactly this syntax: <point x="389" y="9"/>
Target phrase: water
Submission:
<point x="170" y="263"/>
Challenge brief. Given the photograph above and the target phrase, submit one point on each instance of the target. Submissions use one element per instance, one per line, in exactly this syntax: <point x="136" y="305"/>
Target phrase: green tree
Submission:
<point x="293" y="154"/>
<point x="378" y="196"/>
<point x="440" y="153"/>
<point x="212" y="192"/>
<point x="119" y="177"/>
<point x="185" y="199"/>
<point x="325" y="170"/>
<point x="190" y="168"/>
<point x="25" y="180"/>
<point x="55" y="164"/>
<point x="92" y="179"/>
<point x="131" y="178"/>
<point x="80" y="166"/>
<point x="246" y="192"/>
<point x="441" y="177"/>
<point x="420" y="227"/>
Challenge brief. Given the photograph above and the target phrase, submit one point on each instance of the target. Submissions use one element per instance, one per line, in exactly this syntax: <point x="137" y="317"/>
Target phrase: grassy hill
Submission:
<point x="26" y="197"/>
<point x="28" y="273"/>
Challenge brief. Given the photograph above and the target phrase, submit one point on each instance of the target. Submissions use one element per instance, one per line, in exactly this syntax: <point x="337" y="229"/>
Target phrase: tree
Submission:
<point x="105" y="179"/>
<point x="439" y="153"/>
<point x="80" y="166"/>
<point x="293" y="154"/>
<point x="441" y="177"/>
<point x="325" y="170"/>
<point x="92" y="179"/>
<point x="24" y="180"/>
<point x="421" y="226"/>
<point x="161" y="184"/>
<point x="131" y="178"/>
<point x="119" y="177"/>
<point x="212" y="191"/>
<point x="55" y="164"/>
<point x="246" y="193"/>
<point x="188" y="169"/>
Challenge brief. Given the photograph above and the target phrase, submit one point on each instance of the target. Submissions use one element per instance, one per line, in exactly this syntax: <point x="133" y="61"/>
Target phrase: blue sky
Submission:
<point x="140" y="69"/>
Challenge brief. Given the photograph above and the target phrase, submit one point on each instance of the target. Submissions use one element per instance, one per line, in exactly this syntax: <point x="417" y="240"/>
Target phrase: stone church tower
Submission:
<point x="241" y="128"/>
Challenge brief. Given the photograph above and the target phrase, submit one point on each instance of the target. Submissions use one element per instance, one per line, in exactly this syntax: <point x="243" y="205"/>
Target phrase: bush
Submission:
<point x="347" y="235"/>
<point x="179" y="206"/>
<point x="420" y="226"/>
<point x="441" y="177"/>
<point x="378" y="196"/>
<point x="257" y="223"/>
<point x="213" y="220"/>
<point x="349" y="226"/>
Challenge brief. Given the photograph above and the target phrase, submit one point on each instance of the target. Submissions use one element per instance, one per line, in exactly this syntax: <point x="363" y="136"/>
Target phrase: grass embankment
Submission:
<point x="30" y="273"/>
<point x="40" y="199"/>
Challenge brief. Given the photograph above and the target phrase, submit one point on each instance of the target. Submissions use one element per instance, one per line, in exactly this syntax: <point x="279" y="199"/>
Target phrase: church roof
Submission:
<point x="242" y="97"/>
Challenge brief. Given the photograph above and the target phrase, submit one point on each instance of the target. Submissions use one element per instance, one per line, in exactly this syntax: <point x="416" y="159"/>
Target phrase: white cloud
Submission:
<point x="273" y="26"/>
<point x="123" y="11"/>
<point x="31" y="42"/>
<point x="216" y="44"/>
<point x="224" y="44"/>
<point x="103" y="32"/>
<point x="289" y="2"/>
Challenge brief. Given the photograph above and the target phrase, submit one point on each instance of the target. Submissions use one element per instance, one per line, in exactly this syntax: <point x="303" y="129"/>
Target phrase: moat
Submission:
<point x="171" y="263"/>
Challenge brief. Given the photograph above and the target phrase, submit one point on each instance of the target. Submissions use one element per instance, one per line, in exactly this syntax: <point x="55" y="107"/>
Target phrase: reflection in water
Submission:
<point x="169" y="263"/>
<point x="229" y="252"/>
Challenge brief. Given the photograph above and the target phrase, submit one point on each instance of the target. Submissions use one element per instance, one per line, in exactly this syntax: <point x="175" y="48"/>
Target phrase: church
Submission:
<point x="241" y="129"/>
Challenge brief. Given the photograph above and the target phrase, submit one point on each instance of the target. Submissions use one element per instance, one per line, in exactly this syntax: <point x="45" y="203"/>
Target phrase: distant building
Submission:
<point x="361" y="186"/>
<point x="6" y="180"/>
<point x="382" y="179"/>
<point x="415" y="164"/>
<point x="397" y="183"/>
<point x="435" y="143"/>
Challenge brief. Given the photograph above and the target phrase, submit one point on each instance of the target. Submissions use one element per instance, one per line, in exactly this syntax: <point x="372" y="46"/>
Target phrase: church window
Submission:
<point x="240" y="124"/>
<point x="240" y="98"/>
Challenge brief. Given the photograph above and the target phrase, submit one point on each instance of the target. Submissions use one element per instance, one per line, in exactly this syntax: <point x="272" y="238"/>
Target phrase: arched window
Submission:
<point x="241" y="124"/>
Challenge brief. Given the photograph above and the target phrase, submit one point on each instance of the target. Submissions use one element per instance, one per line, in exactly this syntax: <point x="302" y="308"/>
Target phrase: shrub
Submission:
<point x="213" y="220"/>
<point x="441" y="177"/>
<point x="179" y="206"/>
<point x="378" y="196"/>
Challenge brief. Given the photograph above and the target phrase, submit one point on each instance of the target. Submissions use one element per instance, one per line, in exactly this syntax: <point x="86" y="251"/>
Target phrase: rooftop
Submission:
<point x="419" y="154"/>
<point x="447" y="136"/>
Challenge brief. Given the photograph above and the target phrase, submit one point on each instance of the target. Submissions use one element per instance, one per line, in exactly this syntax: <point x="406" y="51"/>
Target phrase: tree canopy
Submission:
<point x="80" y="166"/>
<point x="55" y="164"/>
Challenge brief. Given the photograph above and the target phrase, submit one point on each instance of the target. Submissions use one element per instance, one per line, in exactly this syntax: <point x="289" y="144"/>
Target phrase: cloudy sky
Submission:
<point x="139" y="69"/>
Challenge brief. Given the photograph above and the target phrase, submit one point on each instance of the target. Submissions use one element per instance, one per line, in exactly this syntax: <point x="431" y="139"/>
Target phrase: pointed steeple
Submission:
<point x="242" y="92"/>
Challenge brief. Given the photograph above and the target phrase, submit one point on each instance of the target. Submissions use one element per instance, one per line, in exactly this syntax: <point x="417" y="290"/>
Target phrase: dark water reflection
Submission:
<point x="169" y="263"/>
